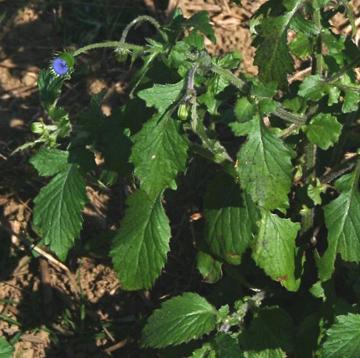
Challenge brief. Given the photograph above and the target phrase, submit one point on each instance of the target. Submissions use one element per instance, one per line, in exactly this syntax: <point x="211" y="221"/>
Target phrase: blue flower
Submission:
<point x="60" y="66"/>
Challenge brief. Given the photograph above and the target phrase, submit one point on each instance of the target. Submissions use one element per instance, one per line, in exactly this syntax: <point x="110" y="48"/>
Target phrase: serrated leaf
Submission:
<point x="265" y="167"/>
<point x="271" y="333"/>
<point x="159" y="153"/>
<point x="179" y="320"/>
<point x="323" y="130"/>
<point x="141" y="245"/>
<point x="272" y="55"/>
<point x="209" y="267"/>
<point x="230" y="219"/>
<point x="343" y="338"/>
<point x="6" y="349"/>
<point x="313" y="88"/>
<point x="57" y="211"/>
<point x="266" y="353"/>
<point x="351" y="101"/>
<point x="205" y="351"/>
<point x="342" y="220"/>
<point x="275" y="249"/>
<point x="244" y="110"/>
<point x="201" y="22"/>
<point x="49" y="161"/>
<point x="162" y="96"/>
<point x="301" y="46"/>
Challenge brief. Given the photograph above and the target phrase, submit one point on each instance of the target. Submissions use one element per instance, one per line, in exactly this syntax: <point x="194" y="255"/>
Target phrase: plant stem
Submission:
<point x="139" y="20"/>
<point x="107" y="44"/>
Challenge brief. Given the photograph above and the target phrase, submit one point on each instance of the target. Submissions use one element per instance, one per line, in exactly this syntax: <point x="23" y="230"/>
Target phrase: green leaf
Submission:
<point x="343" y="338"/>
<point x="50" y="161"/>
<point x="275" y="249"/>
<point x="342" y="221"/>
<point x="272" y="55"/>
<point x="57" y="212"/>
<point x="205" y="351"/>
<point x="323" y="130"/>
<point x="6" y="349"/>
<point x="301" y="46"/>
<point x="265" y="167"/>
<point x="209" y="268"/>
<point x="179" y="320"/>
<point x="351" y="101"/>
<point x="313" y="88"/>
<point x="141" y="245"/>
<point x="230" y="219"/>
<point x="244" y="110"/>
<point x="201" y="22"/>
<point x="159" y="153"/>
<point x="162" y="96"/>
<point x="271" y="333"/>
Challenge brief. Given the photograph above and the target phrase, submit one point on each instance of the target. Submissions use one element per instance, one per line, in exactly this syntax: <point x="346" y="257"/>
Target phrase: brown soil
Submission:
<point x="82" y="312"/>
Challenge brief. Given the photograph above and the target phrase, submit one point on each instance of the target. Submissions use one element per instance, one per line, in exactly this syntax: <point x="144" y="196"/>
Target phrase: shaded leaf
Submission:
<point x="230" y="217"/>
<point x="209" y="267"/>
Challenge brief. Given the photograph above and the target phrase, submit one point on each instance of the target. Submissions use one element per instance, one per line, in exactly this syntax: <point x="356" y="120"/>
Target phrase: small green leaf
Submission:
<point x="351" y="101"/>
<point x="323" y="130"/>
<point x="343" y="338"/>
<point x="301" y="46"/>
<point x="275" y="249"/>
<point x="315" y="190"/>
<point x="159" y="153"/>
<point x="201" y="22"/>
<point x="141" y="245"/>
<point x="179" y="320"/>
<point x="49" y="162"/>
<point x="57" y="212"/>
<point x="265" y="167"/>
<point x="6" y="349"/>
<point x="244" y="110"/>
<point x="162" y="96"/>
<point x="209" y="268"/>
<point x="230" y="219"/>
<point x="343" y="224"/>
<point x="313" y="88"/>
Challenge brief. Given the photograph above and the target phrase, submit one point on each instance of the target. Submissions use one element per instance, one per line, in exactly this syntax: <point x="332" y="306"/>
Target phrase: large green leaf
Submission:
<point x="230" y="219"/>
<point x="270" y="335"/>
<point x="159" y="154"/>
<point x="343" y="338"/>
<point x="265" y="167"/>
<point x="49" y="162"/>
<point x="6" y="350"/>
<point x="272" y="55"/>
<point x="323" y="130"/>
<point x="162" y="96"/>
<point x="179" y="320"/>
<point x="142" y="243"/>
<point x="342" y="219"/>
<point x="58" y="207"/>
<point x="275" y="250"/>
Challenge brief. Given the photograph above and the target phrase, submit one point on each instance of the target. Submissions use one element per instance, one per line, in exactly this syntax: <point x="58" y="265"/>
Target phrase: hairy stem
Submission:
<point x="107" y="44"/>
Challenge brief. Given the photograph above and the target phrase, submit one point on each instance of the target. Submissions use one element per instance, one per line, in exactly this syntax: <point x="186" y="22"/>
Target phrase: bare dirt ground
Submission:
<point x="80" y="310"/>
